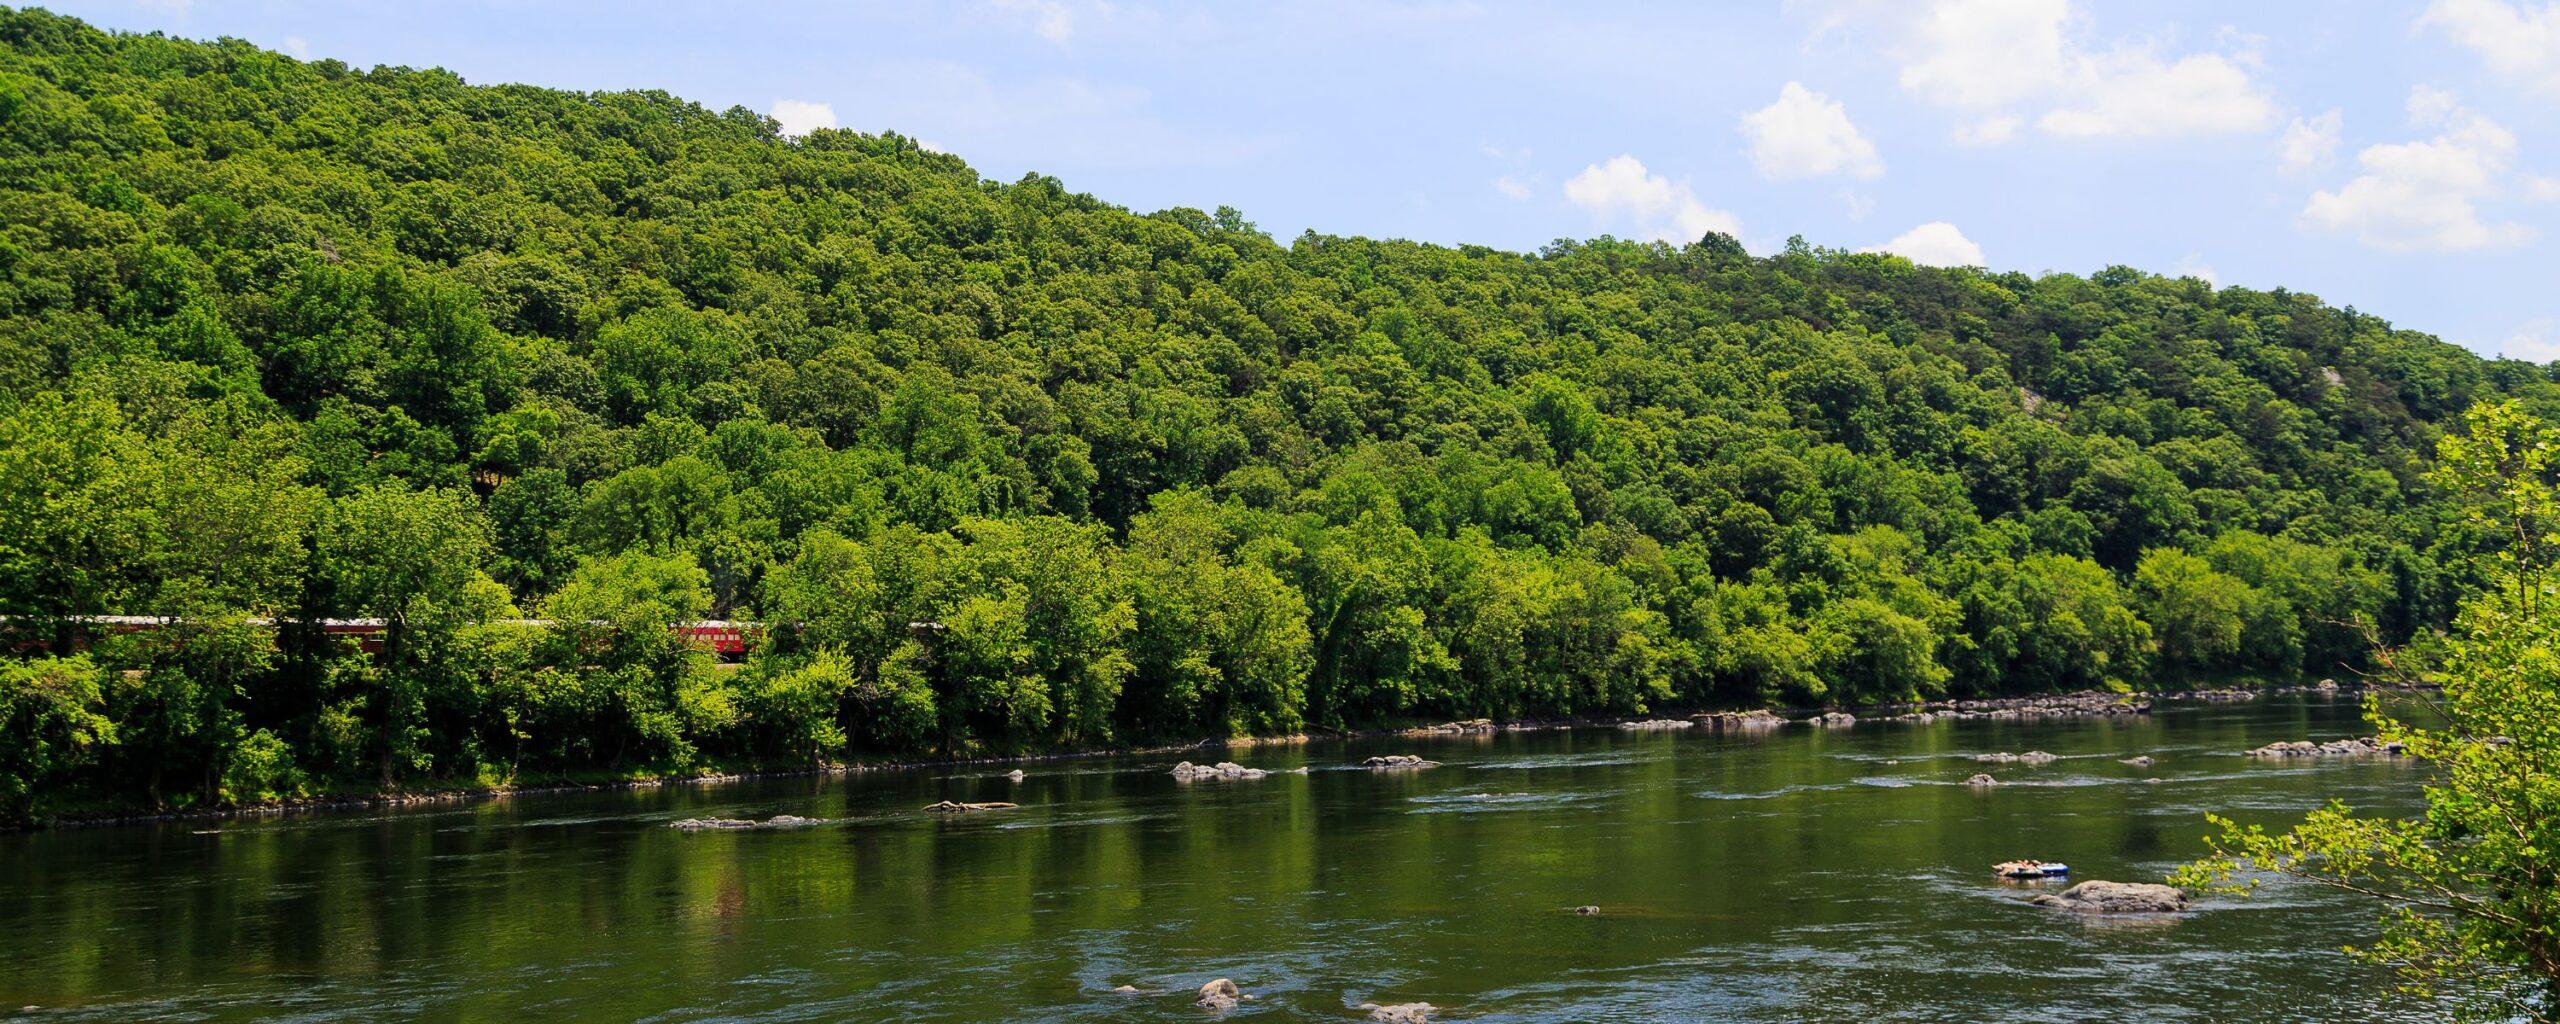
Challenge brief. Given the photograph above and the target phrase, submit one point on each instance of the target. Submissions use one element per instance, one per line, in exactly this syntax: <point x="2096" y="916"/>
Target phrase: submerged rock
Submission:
<point x="1218" y="995"/>
<point x="1399" y="1013"/>
<point x="1982" y="781"/>
<point x="1655" y="725"/>
<point x="1016" y="775"/>
<point x="2366" y="746"/>
<point x="1398" y="761"/>
<point x="2030" y="757"/>
<point x="1186" y="771"/>
<point x="1125" y="990"/>
<point x="1587" y="911"/>
<point x="956" y="807"/>
<point x="2140" y="761"/>
<point x="713" y="824"/>
<point x="1833" y="719"/>
<point x="2115" y="898"/>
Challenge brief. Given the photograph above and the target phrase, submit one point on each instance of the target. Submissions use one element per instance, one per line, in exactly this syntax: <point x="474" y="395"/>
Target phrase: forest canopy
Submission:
<point x="1002" y="467"/>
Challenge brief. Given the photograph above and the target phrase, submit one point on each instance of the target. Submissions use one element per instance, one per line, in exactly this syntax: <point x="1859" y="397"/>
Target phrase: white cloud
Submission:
<point x="2012" y="62"/>
<point x="2542" y="189"/>
<point x="1655" y="208"/>
<point x="2193" y="265"/>
<point x="2537" y="341"/>
<point x="2517" y="40"/>
<point x="1988" y="53"/>
<point x="2424" y="196"/>
<point x="2134" y="95"/>
<point x="1516" y="183"/>
<point x="800" y="117"/>
<point x="297" y="47"/>
<point x="1857" y="205"/>
<point x="2309" y="144"/>
<point x="1934" y="244"/>
<point x="1806" y="134"/>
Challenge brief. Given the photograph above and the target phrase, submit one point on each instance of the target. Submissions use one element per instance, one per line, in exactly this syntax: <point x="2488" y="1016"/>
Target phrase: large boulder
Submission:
<point x="2115" y="898"/>
<point x="1218" y="995"/>
<point x="1399" y="1013"/>
<point x="1982" y="782"/>
<point x="1833" y="720"/>
<point x="1186" y="771"/>
<point x="1395" y="761"/>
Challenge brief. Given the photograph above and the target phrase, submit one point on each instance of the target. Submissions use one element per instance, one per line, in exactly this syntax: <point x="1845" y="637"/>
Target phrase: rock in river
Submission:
<point x="1399" y="1013"/>
<point x="1398" y="761"/>
<point x="956" y="807"/>
<point x="1218" y="995"/>
<point x="1982" y="782"/>
<point x="2030" y="757"/>
<point x="1655" y="725"/>
<point x="1466" y="727"/>
<point x="1186" y="771"/>
<point x="2115" y="898"/>
<point x="710" y="824"/>
<point x="2367" y="746"/>
<point x="1833" y="719"/>
<point x="2140" y="761"/>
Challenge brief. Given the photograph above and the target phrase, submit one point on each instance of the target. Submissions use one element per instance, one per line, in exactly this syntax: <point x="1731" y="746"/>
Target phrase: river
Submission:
<point x="1803" y="874"/>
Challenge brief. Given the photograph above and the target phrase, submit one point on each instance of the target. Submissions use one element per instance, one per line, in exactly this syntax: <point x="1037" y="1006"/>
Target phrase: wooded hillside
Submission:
<point x="1008" y="467"/>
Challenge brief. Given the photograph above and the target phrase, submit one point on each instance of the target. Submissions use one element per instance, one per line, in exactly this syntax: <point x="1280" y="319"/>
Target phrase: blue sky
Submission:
<point x="2401" y="158"/>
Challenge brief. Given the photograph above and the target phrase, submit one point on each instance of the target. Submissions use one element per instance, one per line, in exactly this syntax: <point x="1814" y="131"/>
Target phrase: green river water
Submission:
<point x="1799" y="875"/>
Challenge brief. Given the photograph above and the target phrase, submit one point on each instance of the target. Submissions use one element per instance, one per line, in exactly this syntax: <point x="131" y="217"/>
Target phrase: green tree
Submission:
<point x="410" y="559"/>
<point x="51" y="722"/>
<point x="2472" y="886"/>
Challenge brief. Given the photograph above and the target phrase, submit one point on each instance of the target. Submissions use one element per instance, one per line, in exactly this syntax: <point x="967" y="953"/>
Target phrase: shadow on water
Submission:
<point x="1802" y="874"/>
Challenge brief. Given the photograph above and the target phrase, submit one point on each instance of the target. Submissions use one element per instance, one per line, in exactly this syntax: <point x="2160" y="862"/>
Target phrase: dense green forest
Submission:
<point x="1003" y="467"/>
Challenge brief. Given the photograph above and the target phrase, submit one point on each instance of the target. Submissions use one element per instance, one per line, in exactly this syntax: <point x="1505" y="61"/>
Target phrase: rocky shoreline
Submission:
<point x="2083" y="704"/>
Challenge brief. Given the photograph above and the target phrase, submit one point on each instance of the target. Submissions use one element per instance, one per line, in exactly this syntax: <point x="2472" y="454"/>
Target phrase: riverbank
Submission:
<point x="2085" y="703"/>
